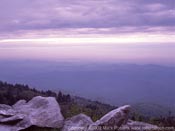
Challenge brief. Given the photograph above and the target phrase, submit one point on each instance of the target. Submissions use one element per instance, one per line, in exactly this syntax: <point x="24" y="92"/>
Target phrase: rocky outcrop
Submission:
<point x="6" y="110"/>
<point x="40" y="112"/>
<point x="112" y="120"/>
<point x="79" y="122"/>
<point x="6" y="128"/>
<point x="46" y="112"/>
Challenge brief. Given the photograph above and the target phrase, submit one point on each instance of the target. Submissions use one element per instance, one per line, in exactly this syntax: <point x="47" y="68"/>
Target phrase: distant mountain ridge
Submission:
<point x="113" y="83"/>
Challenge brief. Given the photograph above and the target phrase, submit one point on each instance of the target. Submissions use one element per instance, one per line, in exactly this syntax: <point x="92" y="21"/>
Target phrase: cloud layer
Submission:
<point x="105" y="15"/>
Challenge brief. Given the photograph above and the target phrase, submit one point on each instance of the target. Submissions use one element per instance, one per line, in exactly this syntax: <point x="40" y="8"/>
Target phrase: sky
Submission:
<point x="38" y="25"/>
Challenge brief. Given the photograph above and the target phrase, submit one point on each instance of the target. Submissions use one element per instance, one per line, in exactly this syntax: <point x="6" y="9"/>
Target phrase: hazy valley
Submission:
<point x="111" y="83"/>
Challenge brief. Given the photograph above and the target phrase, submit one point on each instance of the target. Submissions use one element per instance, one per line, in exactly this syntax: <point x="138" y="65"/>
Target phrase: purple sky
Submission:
<point x="125" y="15"/>
<point x="31" y="23"/>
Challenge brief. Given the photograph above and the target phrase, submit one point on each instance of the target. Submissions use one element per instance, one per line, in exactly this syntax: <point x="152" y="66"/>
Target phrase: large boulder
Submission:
<point x="40" y="112"/>
<point x="6" y="128"/>
<point x="6" y="110"/>
<point x="112" y="120"/>
<point x="19" y="103"/>
<point x="77" y="123"/>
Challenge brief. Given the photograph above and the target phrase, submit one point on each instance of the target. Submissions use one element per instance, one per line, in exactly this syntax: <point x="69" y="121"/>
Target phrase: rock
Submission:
<point x="6" y="110"/>
<point x="77" y="123"/>
<point x="19" y="103"/>
<point x="112" y="120"/>
<point x="45" y="112"/>
<point x="40" y="112"/>
<point x="6" y="128"/>
<point x="12" y="119"/>
<point x="138" y="126"/>
<point x="5" y="107"/>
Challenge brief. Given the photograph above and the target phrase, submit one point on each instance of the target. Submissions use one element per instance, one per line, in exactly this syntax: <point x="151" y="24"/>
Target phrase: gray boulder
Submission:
<point x="77" y="123"/>
<point x="4" y="107"/>
<point x="40" y="112"/>
<point x="6" y="128"/>
<point x="6" y="110"/>
<point x="19" y="103"/>
<point x="112" y="120"/>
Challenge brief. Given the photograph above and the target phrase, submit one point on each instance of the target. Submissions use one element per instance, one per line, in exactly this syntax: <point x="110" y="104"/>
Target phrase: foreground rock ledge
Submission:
<point x="114" y="118"/>
<point x="40" y="112"/>
<point x="45" y="112"/>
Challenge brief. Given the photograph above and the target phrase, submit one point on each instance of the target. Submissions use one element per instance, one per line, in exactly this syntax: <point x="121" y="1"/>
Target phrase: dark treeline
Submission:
<point x="11" y="93"/>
